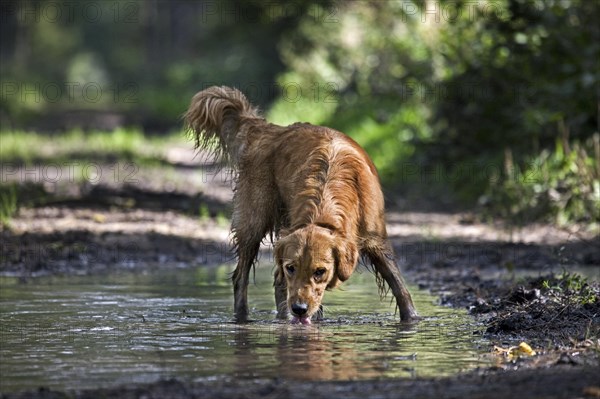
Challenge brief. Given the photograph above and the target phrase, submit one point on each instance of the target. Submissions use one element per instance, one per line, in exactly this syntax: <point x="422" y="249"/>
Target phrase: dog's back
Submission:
<point x="325" y="178"/>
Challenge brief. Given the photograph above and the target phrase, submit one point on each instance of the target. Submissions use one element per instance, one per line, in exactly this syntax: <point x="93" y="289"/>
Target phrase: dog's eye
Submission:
<point x="320" y="272"/>
<point x="291" y="269"/>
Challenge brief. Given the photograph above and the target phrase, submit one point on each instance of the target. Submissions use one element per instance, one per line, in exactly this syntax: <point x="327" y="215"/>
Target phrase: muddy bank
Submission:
<point x="556" y="383"/>
<point x="521" y="292"/>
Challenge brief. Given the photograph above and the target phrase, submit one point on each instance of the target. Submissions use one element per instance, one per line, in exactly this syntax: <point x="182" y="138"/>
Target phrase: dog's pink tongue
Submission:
<point x="304" y="320"/>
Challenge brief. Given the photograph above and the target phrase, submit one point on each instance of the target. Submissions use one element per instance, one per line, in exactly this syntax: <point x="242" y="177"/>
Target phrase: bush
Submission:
<point x="560" y="186"/>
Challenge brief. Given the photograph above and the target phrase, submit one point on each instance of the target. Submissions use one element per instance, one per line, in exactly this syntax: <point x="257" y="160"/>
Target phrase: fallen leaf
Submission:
<point x="515" y="351"/>
<point x="525" y="349"/>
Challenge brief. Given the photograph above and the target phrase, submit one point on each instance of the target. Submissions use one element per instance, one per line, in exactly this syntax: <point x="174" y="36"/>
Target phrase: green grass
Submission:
<point x="204" y="213"/>
<point x="8" y="204"/>
<point x="572" y="286"/>
<point x="28" y="147"/>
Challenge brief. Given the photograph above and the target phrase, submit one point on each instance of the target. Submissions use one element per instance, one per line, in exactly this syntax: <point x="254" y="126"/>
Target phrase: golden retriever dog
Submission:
<point x="313" y="188"/>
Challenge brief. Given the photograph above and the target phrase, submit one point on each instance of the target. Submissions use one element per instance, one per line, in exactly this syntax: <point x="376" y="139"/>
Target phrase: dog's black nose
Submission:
<point x="299" y="309"/>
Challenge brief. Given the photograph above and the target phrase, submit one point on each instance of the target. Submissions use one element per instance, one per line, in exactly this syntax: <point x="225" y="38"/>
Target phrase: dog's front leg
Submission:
<point x="280" y="295"/>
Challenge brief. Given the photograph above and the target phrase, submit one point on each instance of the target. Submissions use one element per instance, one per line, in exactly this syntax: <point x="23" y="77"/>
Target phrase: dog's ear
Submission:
<point x="345" y="254"/>
<point x="279" y="277"/>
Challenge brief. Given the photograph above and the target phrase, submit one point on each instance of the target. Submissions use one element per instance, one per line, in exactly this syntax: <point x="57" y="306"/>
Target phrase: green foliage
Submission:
<point x="302" y="100"/>
<point x="572" y="286"/>
<point x="8" y="204"/>
<point x="517" y="81"/>
<point x="559" y="186"/>
<point x="147" y="58"/>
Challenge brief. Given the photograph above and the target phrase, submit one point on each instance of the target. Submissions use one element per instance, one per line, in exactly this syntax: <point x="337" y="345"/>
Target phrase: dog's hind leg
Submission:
<point x="385" y="267"/>
<point x="246" y="257"/>
<point x="252" y="219"/>
<point x="246" y="238"/>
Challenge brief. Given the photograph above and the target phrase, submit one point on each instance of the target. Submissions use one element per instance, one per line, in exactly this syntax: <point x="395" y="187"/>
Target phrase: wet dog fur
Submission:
<point x="311" y="187"/>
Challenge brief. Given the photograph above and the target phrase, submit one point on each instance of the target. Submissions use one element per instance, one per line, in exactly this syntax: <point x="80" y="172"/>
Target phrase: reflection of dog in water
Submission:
<point x="319" y="359"/>
<point x="321" y="354"/>
<point x="312" y="351"/>
<point x="313" y="187"/>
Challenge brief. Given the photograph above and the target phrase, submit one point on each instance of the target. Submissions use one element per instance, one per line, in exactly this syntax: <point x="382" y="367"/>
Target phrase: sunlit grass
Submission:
<point x="130" y="144"/>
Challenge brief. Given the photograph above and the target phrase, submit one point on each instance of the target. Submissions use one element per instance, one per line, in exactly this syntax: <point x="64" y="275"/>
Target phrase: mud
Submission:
<point x="558" y="382"/>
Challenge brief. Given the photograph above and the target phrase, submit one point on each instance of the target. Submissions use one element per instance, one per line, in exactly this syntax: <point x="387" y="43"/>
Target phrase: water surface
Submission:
<point x="79" y="332"/>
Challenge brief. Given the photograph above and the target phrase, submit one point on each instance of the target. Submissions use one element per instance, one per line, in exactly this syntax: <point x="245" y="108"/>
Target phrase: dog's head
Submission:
<point x="311" y="260"/>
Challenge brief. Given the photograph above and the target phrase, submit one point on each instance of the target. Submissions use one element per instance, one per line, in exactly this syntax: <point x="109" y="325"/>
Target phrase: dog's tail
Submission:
<point x="219" y="113"/>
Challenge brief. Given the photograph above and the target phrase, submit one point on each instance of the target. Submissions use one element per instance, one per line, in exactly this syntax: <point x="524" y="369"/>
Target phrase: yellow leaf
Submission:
<point x="522" y="350"/>
<point x="526" y="349"/>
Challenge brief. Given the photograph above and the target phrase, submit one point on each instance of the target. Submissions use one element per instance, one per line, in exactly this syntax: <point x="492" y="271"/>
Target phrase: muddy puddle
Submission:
<point x="84" y="332"/>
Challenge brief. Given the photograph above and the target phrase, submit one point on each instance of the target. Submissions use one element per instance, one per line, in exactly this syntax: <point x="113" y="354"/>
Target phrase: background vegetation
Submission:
<point x="489" y="103"/>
